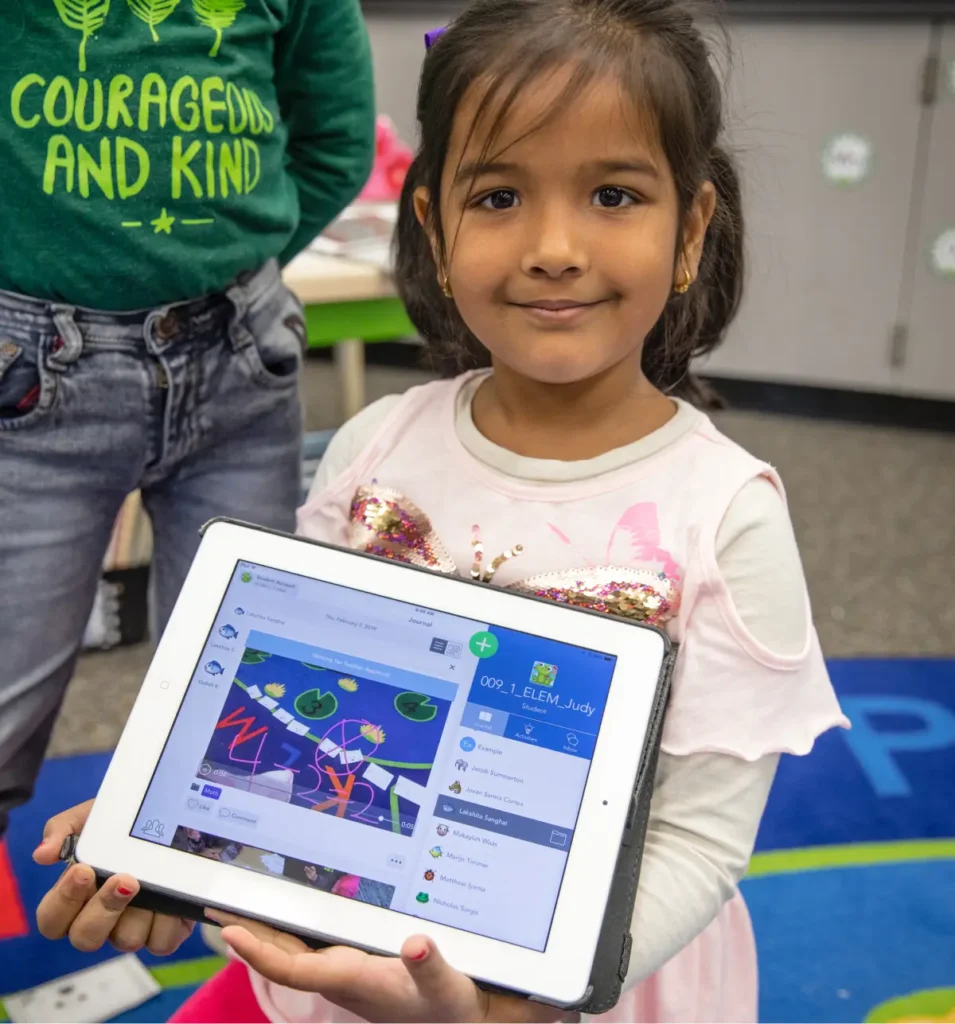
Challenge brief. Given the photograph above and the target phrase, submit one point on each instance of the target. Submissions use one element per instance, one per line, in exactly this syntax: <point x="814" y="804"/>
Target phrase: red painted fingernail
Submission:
<point x="123" y="891"/>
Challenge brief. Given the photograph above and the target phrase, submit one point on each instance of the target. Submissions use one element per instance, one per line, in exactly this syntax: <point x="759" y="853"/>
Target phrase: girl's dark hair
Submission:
<point x="663" y="62"/>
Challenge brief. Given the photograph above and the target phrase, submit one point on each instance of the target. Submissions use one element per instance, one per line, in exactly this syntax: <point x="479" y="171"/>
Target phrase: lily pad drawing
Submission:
<point x="316" y="705"/>
<point x="153" y="12"/>
<point x="217" y="15"/>
<point x="85" y="16"/>
<point x="416" y="707"/>
<point x="253" y="657"/>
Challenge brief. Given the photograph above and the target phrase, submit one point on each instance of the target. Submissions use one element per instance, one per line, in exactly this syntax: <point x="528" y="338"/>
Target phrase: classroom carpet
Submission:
<point x="851" y="890"/>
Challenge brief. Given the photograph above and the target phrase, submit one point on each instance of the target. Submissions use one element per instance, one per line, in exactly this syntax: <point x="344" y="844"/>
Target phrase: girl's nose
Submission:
<point x="554" y="248"/>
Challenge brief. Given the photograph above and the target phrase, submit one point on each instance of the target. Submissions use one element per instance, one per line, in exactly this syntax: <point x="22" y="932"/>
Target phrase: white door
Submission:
<point x="824" y="118"/>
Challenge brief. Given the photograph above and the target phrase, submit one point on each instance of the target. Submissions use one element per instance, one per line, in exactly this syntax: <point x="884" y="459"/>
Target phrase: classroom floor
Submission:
<point x="872" y="509"/>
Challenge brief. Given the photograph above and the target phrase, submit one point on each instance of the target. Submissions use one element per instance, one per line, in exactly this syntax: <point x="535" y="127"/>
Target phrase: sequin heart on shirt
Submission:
<point x="636" y="594"/>
<point x="387" y="523"/>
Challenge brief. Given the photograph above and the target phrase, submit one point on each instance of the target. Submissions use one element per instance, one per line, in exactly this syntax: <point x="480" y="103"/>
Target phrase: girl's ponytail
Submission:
<point x="694" y="324"/>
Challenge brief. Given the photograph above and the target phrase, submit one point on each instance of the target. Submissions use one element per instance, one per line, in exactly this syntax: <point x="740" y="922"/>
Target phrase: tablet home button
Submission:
<point x="164" y="685"/>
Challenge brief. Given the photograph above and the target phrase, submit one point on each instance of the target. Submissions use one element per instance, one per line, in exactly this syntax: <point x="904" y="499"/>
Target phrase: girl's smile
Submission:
<point x="559" y="313"/>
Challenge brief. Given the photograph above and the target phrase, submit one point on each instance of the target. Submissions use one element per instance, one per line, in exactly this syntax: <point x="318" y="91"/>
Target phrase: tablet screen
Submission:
<point x="383" y="752"/>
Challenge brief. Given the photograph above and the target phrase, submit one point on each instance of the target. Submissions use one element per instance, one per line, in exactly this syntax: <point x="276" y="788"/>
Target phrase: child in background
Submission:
<point x="159" y="162"/>
<point x="570" y="237"/>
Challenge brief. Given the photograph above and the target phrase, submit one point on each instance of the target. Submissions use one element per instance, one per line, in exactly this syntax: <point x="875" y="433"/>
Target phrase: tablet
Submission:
<point x="356" y="751"/>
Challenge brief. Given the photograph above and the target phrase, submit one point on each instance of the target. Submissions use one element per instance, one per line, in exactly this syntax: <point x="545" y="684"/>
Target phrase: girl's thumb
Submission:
<point x="439" y="985"/>
<point x="423" y="961"/>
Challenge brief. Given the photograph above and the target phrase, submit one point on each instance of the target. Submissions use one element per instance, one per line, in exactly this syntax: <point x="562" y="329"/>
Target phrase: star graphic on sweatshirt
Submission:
<point x="163" y="223"/>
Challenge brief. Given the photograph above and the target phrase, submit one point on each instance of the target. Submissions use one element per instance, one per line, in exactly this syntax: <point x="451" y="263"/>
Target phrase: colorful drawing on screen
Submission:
<point x="352" y="747"/>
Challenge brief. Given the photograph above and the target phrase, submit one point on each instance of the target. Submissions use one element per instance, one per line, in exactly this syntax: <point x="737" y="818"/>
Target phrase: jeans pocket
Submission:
<point x="26" y="387"/>
<point x="271" y="338"/>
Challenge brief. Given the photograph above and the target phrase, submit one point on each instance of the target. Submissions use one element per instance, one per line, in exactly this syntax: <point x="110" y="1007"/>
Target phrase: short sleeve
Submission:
<point x="759" y="561"/>
<point x="731" y="693"/>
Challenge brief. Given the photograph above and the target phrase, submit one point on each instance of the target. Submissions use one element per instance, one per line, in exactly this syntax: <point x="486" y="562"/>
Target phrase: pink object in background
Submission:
<point x="392" y="160"/>
<point x="347" y="886"/>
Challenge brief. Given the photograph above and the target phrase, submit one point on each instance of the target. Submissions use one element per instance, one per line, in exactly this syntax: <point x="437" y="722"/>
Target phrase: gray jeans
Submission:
<point x="195" y="404"/>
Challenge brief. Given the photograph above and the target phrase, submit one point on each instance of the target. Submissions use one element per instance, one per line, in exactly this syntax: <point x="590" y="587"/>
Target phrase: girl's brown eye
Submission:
<point x="612" y="197"/>
<point x="500" y="199"/>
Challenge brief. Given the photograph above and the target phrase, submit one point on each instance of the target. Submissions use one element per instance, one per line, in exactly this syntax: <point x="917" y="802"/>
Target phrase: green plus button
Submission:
<point x="483" y="645"/>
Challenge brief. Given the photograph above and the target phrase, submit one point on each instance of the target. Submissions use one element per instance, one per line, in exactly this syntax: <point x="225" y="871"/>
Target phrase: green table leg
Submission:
<point x="371" y="320"/>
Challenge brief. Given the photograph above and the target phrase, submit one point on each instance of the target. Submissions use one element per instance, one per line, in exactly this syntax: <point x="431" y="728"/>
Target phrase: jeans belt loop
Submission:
<point x="238" y="297"/>
<point x="64" y="318"/>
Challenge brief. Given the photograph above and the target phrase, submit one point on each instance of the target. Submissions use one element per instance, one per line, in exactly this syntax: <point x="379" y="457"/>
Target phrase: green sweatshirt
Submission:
<point x="151" y="150"/>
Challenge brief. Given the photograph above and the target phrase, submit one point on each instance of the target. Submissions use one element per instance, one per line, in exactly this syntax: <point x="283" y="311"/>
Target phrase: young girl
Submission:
<point x="571" y="236"/>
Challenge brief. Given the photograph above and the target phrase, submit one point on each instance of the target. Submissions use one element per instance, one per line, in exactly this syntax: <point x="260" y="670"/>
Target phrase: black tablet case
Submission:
<point x="612" y="956"/>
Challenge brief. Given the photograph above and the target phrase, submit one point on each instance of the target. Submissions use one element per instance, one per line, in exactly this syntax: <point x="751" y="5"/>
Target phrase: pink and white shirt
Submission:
<point x="639" y="540"/>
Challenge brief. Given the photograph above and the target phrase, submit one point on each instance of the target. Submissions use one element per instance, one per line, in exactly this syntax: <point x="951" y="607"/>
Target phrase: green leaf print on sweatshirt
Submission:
<point x="153" y="12"/>
<point x="86" y="16"/>
<point x="217" y="15"/>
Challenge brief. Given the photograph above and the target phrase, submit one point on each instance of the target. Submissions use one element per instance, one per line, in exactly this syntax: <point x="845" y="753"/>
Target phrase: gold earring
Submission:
<point x="684" y="286"/>
<point x="446" y="286"/>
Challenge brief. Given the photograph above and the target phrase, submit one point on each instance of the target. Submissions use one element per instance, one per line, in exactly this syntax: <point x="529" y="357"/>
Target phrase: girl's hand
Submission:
<point x="90" y="917"/>
<point x="420" y="986"/>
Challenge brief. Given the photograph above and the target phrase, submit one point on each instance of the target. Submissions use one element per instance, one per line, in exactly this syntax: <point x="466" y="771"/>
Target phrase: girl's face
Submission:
<point x="561" y="245"/>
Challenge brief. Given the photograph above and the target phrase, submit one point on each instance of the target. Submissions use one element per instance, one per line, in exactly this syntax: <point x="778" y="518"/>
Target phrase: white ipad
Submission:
<point x="358" y="751"/>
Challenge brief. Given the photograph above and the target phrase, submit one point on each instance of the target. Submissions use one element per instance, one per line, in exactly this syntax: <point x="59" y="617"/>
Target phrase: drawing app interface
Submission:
<point x="383" y="752"/>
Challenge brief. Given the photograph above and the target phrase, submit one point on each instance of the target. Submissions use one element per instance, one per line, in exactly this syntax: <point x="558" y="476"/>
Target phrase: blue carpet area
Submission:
<point x="891" y="778"/>
<point x="852" y="889"/>
<point x="872" y="919"/>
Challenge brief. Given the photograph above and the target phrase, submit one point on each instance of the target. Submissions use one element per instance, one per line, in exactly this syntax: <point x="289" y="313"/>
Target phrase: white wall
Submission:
<point x="397" y="41"/>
